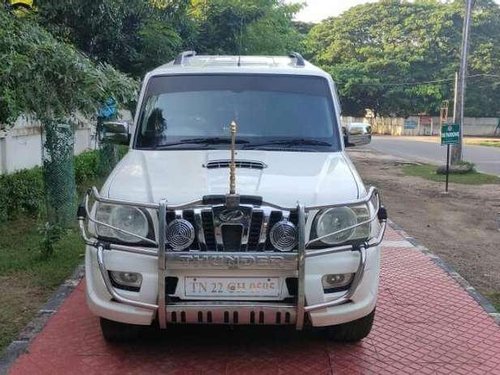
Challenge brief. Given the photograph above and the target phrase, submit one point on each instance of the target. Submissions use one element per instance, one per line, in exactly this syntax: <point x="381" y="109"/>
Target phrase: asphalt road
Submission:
<point x="486" y="159"/>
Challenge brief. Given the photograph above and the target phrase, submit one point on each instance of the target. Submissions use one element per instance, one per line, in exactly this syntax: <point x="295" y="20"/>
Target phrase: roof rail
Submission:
<point x="179" y="60"/>
<point x="299" y="60"/>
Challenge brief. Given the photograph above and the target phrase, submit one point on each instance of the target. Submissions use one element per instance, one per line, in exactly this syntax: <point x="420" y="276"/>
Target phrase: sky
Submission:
<point x="316" y="10"/>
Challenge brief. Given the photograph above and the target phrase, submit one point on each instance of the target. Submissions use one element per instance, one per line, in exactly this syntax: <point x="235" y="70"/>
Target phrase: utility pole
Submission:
<point x="455" y="95"/>
<point x="458" y="114"/>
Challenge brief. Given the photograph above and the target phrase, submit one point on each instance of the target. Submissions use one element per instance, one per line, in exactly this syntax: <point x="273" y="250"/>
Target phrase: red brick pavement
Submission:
<point x="425" y="324"/>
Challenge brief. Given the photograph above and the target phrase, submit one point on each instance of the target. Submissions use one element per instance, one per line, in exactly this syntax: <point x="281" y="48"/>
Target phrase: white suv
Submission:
<point x="236" y="204"/>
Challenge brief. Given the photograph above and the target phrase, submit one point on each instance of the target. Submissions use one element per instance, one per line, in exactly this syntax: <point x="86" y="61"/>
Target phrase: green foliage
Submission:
<point x="274" y="33"/>
<point x="138" y="35"/>
<point x="372" y="49"/>
<point x="48" y="78"/>
<point x="494" y="297"/>
<point x="158" y="44"/>
<point x="429" y="172"/>
<point x="303" y="28"/>
<point x="23" y="192"/>
<point x="246" y="27"/>
<point x="108" y="157"/>
<point x="86" y="166"/>
<point x="49" y="235"/>
<point x="490" y="143"/>
<point x="132" y="35"/>
<point x="27" y="280"/>
<point x="51" y="80"/>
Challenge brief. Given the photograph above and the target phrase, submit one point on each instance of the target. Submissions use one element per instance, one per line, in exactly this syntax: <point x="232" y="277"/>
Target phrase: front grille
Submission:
<point x="189" y="216"/>
<point x="254" y="231"/>
<point x="208" y="230"/>
<point x="231" y="237"/>
<point x="252" y="234"/>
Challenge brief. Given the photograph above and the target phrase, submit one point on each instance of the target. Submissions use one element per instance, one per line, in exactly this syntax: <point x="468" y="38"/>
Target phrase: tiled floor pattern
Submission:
<point x="425" y="324"/>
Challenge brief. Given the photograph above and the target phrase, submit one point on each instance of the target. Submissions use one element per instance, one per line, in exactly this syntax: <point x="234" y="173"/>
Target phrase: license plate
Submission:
<point x="232" y="286"/>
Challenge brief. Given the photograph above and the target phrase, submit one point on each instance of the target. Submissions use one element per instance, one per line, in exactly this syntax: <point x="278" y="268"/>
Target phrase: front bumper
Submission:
<point x="308" y="266"/>
<point x="102" y="303"/>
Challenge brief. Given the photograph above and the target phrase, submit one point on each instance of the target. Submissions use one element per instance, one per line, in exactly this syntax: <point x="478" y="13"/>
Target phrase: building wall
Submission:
<point x="21" y="146"/>
<point x="474" y="126"/>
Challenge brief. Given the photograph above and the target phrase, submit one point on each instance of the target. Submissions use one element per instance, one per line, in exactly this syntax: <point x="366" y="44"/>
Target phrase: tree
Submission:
<point x="274" y="33"/>
<point x="484" y="67"/>
<point x="50" y="81"/>
<point x="132" y="35"/>
<point x="245" y="26"/>
<point x="138" y="35"/>
<point x="378" y="53"/>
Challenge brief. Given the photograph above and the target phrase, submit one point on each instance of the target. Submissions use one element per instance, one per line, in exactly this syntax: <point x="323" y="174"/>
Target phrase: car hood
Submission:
<point x="311" y="178"/>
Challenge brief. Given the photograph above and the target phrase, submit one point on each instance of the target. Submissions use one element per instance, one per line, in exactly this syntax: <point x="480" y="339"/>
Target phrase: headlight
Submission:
<point x="130" y="219"/>
<point x="340" y="218"/>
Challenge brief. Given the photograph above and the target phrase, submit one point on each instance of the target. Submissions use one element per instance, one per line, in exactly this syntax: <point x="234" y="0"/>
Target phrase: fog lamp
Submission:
<point x="283" y="236"/>
<point x="180" y="234"/>
<point x="336" y="282"/>
<point x="131" y="280"/>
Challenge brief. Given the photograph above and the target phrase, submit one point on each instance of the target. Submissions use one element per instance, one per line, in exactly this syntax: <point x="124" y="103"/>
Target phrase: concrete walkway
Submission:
<point x="426" y="323"/>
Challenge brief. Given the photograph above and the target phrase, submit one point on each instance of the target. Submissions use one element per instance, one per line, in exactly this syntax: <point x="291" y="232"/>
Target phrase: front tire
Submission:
<point x="352" y="331"/>
<point x="119" y="332"/>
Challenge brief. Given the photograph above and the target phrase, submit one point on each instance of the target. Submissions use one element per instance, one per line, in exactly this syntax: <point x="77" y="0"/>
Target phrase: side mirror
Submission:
<point x="115" y="132"/>
<point x="357" y="135"/>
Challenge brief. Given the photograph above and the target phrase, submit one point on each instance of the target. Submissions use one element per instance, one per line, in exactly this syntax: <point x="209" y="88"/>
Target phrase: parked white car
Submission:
<point x="356" y="130"/>
<point x="236" y="204"/>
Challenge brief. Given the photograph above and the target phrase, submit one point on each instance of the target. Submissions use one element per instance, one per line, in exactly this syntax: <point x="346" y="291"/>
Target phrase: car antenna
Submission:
<point x="232" y="199"/>
<point x="232" y="167"/>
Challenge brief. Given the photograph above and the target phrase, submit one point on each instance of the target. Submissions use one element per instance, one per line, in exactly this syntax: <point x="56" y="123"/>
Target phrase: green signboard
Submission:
<point x="450" y="134"/>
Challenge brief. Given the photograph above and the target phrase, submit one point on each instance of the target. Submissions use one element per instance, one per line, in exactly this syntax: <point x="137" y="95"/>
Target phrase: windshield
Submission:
<point x="195" y="111"/>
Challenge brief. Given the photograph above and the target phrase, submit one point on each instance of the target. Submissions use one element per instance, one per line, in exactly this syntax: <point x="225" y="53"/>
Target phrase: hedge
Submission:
<point x="23" y="191"/>
<point x="86" y="166"/>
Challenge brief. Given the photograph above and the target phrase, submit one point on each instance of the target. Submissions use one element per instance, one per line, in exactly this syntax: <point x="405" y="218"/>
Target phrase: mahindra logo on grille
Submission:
<point x="231" y="215"/>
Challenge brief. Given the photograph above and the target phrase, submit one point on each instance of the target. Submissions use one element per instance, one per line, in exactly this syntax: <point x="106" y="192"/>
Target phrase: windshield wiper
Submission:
<point x="212" y="140"/>
<point x="291" y="142"/>
<point x="202" y="141"/>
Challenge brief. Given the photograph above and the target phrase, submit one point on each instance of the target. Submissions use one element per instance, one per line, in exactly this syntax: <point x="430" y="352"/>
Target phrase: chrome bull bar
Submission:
<point x="160" y="245"/>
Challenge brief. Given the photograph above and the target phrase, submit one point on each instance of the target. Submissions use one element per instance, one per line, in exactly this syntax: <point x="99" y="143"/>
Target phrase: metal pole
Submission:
<point x="232" y="167"/>
<point x="162" y="298"/>
<point x="447" y="168"/>
<point x="456" y="154"/>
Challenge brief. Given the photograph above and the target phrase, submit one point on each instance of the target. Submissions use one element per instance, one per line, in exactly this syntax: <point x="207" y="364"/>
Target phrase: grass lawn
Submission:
<point x="494" y="298"/>
<point x="491" y="143"/>
<point x="429" y="172"/>
<point x="26" y="280"/>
